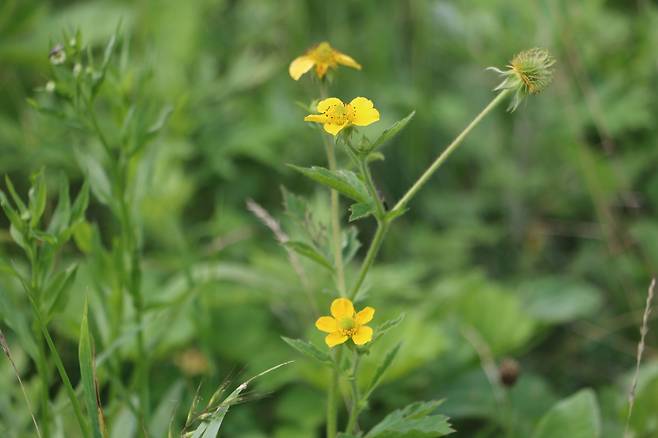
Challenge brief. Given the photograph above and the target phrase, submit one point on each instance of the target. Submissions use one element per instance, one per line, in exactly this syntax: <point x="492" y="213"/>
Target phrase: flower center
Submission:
<point x="324" y="53"/>
<point x="337" y="114"/>
<point x="347" y="326"/>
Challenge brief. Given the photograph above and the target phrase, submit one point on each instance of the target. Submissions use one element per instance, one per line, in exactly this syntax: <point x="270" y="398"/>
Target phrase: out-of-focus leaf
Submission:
<point x="308" y="251"/>
<point x="308" y="349"/>
<point x="557" y="300"/>
<point x="575" y="417"/>
<point x="37" y="196"/>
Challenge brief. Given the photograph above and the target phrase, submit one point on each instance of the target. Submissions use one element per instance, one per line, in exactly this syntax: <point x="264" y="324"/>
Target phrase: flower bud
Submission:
<point x="57" y="55"/>
<point x="529" y="72"/>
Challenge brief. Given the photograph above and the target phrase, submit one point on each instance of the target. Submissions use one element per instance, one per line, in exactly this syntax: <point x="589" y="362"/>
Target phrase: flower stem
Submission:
<point x="356" y="401"/>
<point x="382" y="228"/>
<point x="335" y="221"/>
<point x="446" y="153"/>
<point x="332" y="399"/>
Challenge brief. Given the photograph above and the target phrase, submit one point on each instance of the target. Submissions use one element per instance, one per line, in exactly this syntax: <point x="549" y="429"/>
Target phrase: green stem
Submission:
<point x="335" y="222"/>
<point x="356" y="400"/>
<point x="365" y="171"/>
<point x="332" y="399"/>
<point x="62" y="371"/>
<point x="382" y="228"/>
<point x="446" y="153"/>
<point x="44" y="377"/>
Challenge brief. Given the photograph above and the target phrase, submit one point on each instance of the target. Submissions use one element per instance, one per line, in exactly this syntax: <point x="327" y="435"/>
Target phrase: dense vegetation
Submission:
<point x="532" y="247"/>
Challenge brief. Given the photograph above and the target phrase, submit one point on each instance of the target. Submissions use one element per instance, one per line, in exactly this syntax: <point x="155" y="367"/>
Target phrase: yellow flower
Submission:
<point x="323" y="57"/>
<point x="345" y="323"/>
<point x="335" y="115"/>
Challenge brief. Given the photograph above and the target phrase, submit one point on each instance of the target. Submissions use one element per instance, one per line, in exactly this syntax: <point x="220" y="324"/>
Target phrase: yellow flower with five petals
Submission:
<point x="335" y="115"/>
<point x="345" y="323"/>
<point x="323" y="57"/>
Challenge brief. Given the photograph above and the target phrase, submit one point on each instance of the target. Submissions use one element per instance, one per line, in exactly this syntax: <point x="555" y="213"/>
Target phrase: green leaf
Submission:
<point x="308" y="251"/>
<point x="37" y="198"/>
<point x="80" y="205"/>
<point x="294" y="205"/>
<point x="360" y="210"/>
<point x="414" y="421"/>
<point x="383" y="366"/>
<point x="557" y="300"/>
<point x="62" y="214"/>
<point x="351" y="244"/>
<point x="88" y="375"/>
<point x="308" y="349"/>
<point x="22" y="209"/>
<point x="392" y="131"/>
<point x="107" y="57"/>
<point x="343" y="181"/>
<point x="56" y="293"/>
<point x="574" y="417"/>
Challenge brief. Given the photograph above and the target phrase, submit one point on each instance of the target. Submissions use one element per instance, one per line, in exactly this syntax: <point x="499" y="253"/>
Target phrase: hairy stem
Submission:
<point x="446" y="153"/>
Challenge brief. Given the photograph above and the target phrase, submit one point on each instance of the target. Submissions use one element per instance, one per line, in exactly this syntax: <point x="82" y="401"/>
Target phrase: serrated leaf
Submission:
<point x="414" y="421"/>
<point x="311" y="253"/>
<point x="360" y="210"/>
<point x="392" y="131"/>
<point x="88" y="376"/>
<point x="343" y="181"/>
<point x="308" y="349"/>
<point x="577" y="416"/>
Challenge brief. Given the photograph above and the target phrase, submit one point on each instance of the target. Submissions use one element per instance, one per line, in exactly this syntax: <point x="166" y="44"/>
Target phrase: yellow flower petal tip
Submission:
<point x="323" y="57"/>
<point x="336" y="115"/>
<point x="346" y="323"/>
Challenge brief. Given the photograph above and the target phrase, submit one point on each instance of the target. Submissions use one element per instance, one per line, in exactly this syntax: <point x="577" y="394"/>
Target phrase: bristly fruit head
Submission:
<point x="529" y="72"/>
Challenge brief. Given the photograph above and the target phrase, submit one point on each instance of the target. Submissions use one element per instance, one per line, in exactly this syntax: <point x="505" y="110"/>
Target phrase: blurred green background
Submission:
<point x="540" y="233"/>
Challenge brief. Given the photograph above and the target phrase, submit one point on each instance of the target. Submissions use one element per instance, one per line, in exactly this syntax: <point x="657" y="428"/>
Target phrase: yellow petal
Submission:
<point x="334" y="339"/>
<point x="326" y="324"/>
<point x="363" y="111"/>
<point x="334" y="129"/>
<point x="342" y="308"/>
<point x="300" y="66"/>
<point x="365" y="316"/>
<point x="318" y="118"/>
<point x="325" y="104"/>
<point x="342" y="58"/>
<point x="363" y="335"/>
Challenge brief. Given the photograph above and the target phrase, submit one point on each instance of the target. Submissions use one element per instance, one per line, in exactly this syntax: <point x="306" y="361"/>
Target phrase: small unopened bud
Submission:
<point x="57" y="55"/>
<point x="508" y="372"/>
<point x="529" y="72"/>
<point x="77" y="69"/>
<point x="50" y="86"/>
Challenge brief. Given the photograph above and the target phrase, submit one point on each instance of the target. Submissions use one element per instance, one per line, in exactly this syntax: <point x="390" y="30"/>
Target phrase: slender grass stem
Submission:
<point x="446" y="153"/>
<point x="60" y="368"/>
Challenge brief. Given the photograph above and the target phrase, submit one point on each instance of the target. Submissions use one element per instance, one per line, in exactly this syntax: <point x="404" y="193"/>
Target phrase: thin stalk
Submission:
<point x="332" y="399"/>
<point x="336" y="233"/>
<point x="365" y="170"/>
<point x="382" y="228"/>
<point x="60" y="368"/>
<point x="42" y="371"/>
<point x="446" y="153"/>
<point x="356" y="400"/>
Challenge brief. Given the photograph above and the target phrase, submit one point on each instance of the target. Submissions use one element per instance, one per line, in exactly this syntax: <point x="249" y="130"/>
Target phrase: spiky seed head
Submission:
<point x="529" y="72"/>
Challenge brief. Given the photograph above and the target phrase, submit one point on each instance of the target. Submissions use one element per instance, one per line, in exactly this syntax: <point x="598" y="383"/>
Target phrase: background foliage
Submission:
<point x="537" y="240"/>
